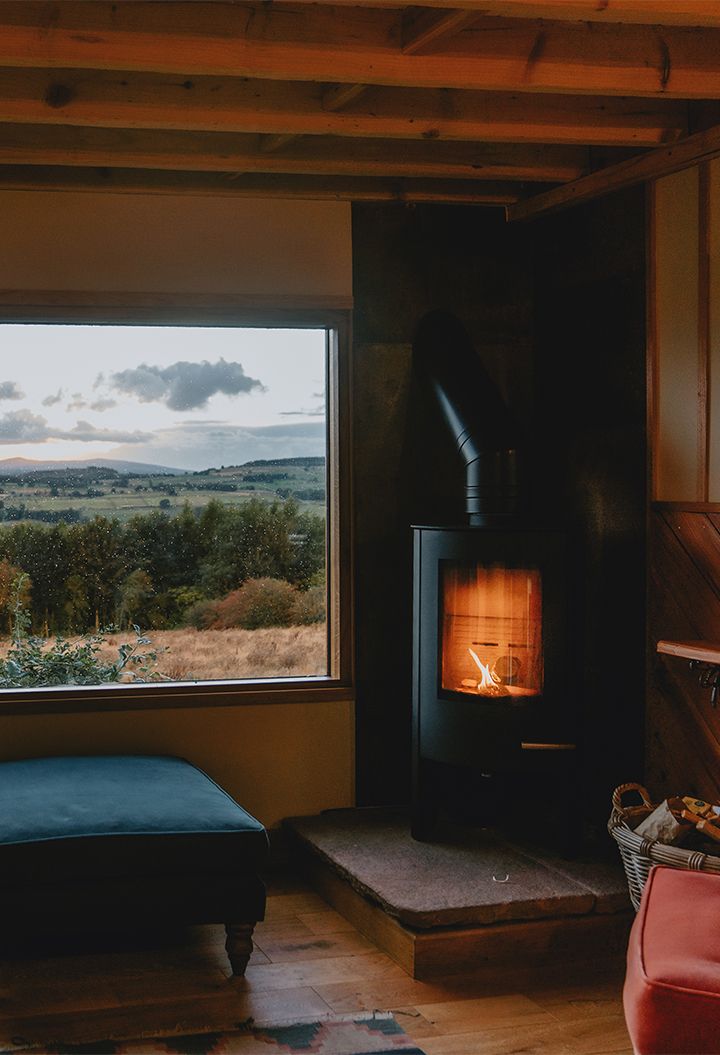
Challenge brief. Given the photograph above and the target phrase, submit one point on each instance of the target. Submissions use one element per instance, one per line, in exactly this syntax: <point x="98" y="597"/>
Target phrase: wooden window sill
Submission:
<point x="82" y="699"/>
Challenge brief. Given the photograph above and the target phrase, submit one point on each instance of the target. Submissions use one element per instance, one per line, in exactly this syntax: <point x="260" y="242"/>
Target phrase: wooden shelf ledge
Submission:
<point x="700" y="651"/>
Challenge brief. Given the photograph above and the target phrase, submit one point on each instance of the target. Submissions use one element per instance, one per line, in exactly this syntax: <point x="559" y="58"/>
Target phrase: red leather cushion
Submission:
<point x="672" y="986"/>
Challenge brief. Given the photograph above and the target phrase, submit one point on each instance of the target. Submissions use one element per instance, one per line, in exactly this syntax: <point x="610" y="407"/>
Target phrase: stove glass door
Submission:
<point x="491" y="638"/>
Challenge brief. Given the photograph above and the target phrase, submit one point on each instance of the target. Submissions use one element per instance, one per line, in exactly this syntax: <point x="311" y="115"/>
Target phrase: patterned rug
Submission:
<point x="377" y="1034"/>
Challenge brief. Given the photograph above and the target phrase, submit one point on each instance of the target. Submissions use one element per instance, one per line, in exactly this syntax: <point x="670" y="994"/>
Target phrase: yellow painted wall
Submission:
<point x="174" y="244"/>
<point x="279" y="759"/>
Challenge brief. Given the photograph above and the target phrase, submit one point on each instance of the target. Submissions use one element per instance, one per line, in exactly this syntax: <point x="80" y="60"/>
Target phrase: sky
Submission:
<point x="181" y="397"/>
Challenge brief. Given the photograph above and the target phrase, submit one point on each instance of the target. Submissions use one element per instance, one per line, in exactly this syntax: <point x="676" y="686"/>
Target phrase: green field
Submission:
<point x="90" y="492"/>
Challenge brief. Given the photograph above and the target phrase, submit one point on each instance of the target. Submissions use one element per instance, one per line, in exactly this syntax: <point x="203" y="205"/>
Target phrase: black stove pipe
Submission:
<point x="475" y="413"/>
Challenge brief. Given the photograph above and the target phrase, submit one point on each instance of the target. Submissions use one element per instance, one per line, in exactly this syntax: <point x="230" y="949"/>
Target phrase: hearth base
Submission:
<point x="540" y="912"/>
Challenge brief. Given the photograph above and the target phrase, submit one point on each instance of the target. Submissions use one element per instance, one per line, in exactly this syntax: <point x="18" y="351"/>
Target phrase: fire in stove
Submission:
<point x="490" y="684"/>
<point x="492" y="626"/>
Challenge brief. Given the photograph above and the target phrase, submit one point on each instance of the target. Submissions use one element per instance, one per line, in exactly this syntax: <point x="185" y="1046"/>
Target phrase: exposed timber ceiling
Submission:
<point x="526" y="104"/>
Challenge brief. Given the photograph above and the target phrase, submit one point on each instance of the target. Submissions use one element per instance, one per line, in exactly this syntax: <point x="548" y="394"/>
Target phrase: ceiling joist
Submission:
<point x="532" y="104"/>
<point x="135" y="181"/>
<point x="209" y="152"/>
<point x="331" y="100"/>
<point x="704" y="146"/>
<point x="357" y="45"/>
<point x="90" y="98"/>
<point x="628" y="12"/>
<point x="424" y="28"/>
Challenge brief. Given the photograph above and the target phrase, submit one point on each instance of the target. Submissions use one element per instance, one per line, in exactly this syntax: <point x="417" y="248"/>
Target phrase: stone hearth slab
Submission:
<point x="605" y="878"/>
<point x="430" y="885"/>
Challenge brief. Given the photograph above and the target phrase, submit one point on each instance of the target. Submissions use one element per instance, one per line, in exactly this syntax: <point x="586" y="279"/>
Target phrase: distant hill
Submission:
<point x="15" y="466"/>
<point x="302" y="462"/>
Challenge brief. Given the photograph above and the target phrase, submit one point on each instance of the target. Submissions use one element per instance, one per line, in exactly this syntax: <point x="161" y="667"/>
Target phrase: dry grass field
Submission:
<point x="208" y="655"/>
<point x="204" y="655"/>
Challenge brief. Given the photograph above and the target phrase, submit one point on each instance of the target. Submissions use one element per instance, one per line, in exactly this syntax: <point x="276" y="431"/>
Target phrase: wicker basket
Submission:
<point x="639" y="854"/>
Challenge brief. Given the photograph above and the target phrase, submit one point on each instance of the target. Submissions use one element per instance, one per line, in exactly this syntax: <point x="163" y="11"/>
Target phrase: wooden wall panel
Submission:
<point x="699" y="540"/>
<point x="681" y="752"/>
<point x="683" y="729"/>
<point x="713" y="228"/>
<point x="676" y="326"/>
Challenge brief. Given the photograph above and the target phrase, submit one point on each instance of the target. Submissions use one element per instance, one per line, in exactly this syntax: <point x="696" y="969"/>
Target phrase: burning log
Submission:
<point x="490" y="684"/>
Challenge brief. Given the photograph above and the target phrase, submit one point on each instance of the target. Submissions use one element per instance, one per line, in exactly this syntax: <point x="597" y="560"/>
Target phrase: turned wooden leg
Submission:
<point x="239" y="945"/>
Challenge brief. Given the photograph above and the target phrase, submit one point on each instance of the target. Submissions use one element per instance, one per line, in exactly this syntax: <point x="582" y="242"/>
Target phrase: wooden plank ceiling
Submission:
<point x="525" y="104"/>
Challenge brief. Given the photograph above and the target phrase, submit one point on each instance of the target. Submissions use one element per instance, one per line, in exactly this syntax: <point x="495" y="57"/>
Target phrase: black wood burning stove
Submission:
<point x="493" y="650"/>
<point x="493" y="660"/>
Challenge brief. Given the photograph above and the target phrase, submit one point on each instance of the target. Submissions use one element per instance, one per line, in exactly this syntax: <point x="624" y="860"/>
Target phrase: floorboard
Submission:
<point x="309" y="963"/>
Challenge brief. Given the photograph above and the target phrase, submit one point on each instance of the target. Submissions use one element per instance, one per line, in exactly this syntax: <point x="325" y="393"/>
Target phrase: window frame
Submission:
<point x="332" y="315"/>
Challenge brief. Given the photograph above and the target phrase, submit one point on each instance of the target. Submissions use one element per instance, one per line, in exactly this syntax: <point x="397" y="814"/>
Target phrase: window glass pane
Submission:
<point x="162" y="504"/>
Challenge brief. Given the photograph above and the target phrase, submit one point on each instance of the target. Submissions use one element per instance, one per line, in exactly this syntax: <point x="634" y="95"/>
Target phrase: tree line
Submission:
<point x="47" y="516"/>
<point x="153" y="568"/>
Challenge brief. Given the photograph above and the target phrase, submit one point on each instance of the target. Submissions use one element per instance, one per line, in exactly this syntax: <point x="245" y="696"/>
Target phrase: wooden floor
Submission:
<point x="309" y="963"/>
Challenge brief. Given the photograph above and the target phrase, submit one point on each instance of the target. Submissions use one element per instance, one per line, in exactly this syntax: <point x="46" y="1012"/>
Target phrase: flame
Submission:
<point x="489" y="684"/>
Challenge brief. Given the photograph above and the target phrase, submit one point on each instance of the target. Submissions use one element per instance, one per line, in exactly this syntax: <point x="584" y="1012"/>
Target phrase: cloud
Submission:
<point x="22" y="426"/>
<point x="51" y="400"/>
<point x="78" y="402"/>
<point x="86" y="432"/>
<point x="308" y="412"/>
<point x="9" y="390"/>
<point x="194" y="423"/>
<point x="183" y="385"/>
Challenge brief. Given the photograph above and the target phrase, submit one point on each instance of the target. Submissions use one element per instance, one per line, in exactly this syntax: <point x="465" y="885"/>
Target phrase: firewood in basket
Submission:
<point x="708" y="828"/>
<point x="701" y="808"/>
<point x="704" y="825"/>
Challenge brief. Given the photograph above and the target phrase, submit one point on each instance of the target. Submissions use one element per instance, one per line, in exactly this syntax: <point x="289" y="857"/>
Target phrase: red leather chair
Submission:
<point x="672" y="985"/>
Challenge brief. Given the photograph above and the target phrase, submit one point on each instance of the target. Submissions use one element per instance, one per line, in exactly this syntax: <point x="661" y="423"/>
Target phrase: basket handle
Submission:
<point x="618" y="810"/>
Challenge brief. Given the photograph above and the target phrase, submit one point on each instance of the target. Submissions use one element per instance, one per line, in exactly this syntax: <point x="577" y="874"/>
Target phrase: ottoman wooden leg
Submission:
<point x="239" y="945"/>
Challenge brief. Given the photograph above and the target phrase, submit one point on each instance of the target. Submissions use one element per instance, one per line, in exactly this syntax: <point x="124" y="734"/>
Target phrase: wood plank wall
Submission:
<point x="682" y="727"/>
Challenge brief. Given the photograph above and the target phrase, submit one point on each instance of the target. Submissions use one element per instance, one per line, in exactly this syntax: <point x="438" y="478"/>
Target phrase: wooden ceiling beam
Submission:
<point x="703" y="146"/>
<point x="631" y="12"/>
<point x="356" y="45"/>
<point x="340" y="96"/>
<point x="332" y="99"/>
<point x="341" y="188"/>
<point x="89" y="98"/>
<point x="208" y="152"/>
<point x="270" y="143"/>
<point x="423" y="28"/>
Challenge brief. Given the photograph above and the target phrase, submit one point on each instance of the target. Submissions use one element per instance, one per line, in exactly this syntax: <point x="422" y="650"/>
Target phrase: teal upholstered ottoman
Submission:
<point x="120" y="839"/>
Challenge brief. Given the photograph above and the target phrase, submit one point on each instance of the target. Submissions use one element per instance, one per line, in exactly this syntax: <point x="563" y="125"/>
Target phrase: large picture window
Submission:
<point x="168" y="505"/>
